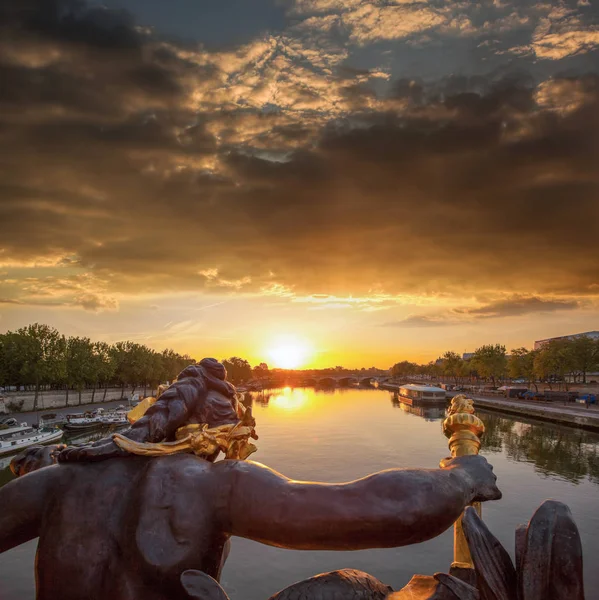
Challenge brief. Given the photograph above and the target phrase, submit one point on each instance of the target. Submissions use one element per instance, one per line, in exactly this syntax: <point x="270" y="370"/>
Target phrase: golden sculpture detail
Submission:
<point x="195" y="438"/>
<point x="198" y="439"/>
<point x="464" y="430"/>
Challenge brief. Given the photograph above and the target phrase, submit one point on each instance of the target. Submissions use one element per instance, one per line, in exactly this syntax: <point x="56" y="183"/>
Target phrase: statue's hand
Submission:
<point x="91" y="452"/>
<point x="34" y="458"/>
<point x="478" y="474"/>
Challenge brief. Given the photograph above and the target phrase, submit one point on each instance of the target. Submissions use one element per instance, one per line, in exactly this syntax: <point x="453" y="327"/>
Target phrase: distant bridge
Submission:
<point x="331" y="381"/>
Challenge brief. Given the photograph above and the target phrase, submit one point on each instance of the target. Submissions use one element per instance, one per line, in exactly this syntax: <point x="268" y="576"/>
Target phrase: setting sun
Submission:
<point x="289" y="354"/>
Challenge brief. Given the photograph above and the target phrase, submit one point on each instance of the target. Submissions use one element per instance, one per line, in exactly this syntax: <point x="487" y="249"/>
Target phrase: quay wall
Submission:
<point x="583" y="418"/>
<point x="58" y="398"/>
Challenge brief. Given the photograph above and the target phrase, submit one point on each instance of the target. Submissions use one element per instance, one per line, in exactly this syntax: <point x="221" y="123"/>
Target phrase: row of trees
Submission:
<point x="561" y="360"/>
<point x="39" y="357"/>
<point x="239" y="370"/>
<point x="566" y="360"/>
<point x="488" y="362"/>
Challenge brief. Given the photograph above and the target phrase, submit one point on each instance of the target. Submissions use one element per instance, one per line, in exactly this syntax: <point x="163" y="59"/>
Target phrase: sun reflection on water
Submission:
<point x="290" y="399"/>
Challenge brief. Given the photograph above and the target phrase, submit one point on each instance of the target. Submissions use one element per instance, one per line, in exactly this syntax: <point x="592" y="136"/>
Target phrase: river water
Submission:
<point x="346" y="434"/>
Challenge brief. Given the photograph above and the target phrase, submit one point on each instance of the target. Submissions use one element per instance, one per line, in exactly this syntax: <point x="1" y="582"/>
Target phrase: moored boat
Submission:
<point x="52" y="420"/>
<point x="411" y="393"/>
<point x="15" y="439"/>
<point x="430" y="412"/>
<point x="387" y="385"/>
<point x="98" y="419"/>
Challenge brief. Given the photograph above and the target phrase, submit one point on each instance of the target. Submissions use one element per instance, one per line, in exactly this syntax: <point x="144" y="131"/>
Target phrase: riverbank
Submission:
<point x="54" y="400"/>
<point x="571" y="415"/>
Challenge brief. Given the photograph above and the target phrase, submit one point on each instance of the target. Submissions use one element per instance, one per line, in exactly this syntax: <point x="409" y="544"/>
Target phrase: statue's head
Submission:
<point x="214" y="413"/>
<point x="214" y="367"/>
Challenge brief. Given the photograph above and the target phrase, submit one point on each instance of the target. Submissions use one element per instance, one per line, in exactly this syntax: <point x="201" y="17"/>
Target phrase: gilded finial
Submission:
<point x="464" y="430"/>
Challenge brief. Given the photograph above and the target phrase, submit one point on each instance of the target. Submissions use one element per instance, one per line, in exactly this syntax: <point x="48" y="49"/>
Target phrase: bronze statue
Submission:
<point x="157" y="526"/>
<point x="144" y="521"/>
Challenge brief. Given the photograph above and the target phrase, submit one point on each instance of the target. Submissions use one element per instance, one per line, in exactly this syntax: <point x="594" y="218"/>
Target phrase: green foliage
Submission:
<point x="172" y="364"/>
<point x="104" y="366"/>
<point x="39" y="355"/>
<point x="490" y="361"/>
<point x="521" y="364"/>
<point x="80" y="362"/>
<point x="432" y="369"/>
<point x="584" y="355"/>
<point x="453" y="365"/>
<point x="554" y="360"/>
<point x="404" y="368"/>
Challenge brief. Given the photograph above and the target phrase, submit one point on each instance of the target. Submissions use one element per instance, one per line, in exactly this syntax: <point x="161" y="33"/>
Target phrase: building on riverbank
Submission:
<point x="594" y="335"/>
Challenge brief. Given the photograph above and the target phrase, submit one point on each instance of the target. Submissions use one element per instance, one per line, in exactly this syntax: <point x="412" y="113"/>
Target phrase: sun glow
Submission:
<point x="289" y="354"/>
<point x="289" y="399"/>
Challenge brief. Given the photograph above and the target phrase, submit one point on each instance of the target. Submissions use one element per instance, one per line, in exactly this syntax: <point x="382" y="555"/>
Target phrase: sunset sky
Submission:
<point x="367" y="181"/>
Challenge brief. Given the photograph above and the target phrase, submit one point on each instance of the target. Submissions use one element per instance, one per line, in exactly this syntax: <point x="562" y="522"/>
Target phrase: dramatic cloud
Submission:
<point x="140" y="165"/>
<point x="422" y="321"/>
<point x="562" y="33"/>
<point x="518" y="305"/>
<point x="514" y="306"/>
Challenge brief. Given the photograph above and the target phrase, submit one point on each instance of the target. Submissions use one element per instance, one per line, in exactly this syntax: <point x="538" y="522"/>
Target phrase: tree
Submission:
<point x="151" y="368"/>
<point x="79" y="363"/>
<point x="554" y="359"/>
<point x="490" y="361"/>
<point x="40" y="350"/>
<point x="584" y="355"/>
<point x="104" y="367"/>
<point x="10" y="359"/>
<point x="452" y="365"/>
<point x="521" y="365"/>
<point x="431" y="370"/>
<point x="469" y="369"/>
<point x="261" y="371"/>
<point x="403" y="368"/>
<point x="129" y="364"/>
<point x="238" y="369"/>
<point x="173" y="364"/>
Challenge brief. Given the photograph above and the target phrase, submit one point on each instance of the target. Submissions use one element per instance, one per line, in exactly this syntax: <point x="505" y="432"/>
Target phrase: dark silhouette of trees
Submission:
<point x="238" y="369"/>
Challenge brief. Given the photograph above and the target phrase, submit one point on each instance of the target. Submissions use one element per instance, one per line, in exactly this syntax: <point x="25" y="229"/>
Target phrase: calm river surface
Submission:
<point x="343" y="435"/>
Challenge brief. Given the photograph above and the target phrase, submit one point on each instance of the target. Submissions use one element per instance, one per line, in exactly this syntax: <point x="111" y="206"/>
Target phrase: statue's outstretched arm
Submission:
<point x="22" y="501"/>
<point x="387" y="509"/>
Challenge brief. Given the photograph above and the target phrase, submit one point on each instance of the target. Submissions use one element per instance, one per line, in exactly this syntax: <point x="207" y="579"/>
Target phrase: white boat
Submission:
<point x="52" y="420"/>
<point x="15" y="439"/>
<point x="421" y="394"/>
<point x="98" y="419"/>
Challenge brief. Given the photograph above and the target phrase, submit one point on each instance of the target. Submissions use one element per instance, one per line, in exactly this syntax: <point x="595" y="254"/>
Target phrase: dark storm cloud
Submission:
<point x="153" y="166"/>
